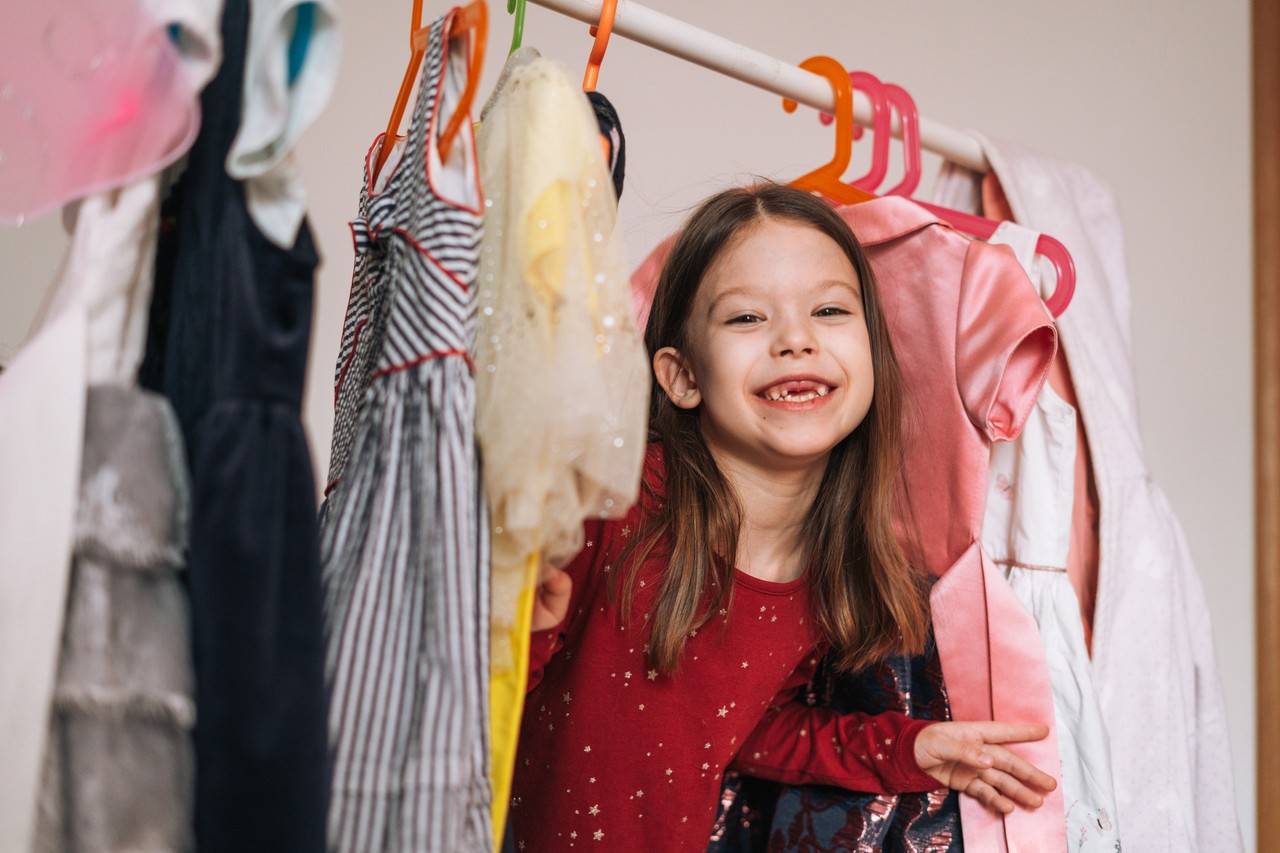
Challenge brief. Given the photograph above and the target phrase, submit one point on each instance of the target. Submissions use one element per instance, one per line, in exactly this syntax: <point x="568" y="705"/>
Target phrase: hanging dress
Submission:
<point x="562" y="381"/>
<point x="291" y="69"/>
<point x="123" y="703"/>
<point x="1027" y="532"/>
<point x="55" y="438"/>
<point x="1153" y="657"/>
<point x="230" y="322"/>
<point x="404" y="535"/>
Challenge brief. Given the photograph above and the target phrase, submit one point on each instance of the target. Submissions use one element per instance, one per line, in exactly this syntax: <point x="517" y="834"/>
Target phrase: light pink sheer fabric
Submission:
<point x="93" y="95"/>
<point x="975" y="344"/>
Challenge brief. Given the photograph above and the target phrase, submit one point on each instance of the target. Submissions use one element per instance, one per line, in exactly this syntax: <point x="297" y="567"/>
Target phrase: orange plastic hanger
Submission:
<point x="418" y="49"/>
<point x="825" y="180"/>
<point x="601" y="31"/>
<point x="472" y="18"/>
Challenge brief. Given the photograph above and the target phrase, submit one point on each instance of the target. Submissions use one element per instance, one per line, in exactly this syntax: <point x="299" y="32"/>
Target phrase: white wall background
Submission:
<point x="1152" y="96"/>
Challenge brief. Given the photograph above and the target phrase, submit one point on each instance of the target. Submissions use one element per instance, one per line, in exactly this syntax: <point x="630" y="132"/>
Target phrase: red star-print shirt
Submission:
<point x="614" y="756"/>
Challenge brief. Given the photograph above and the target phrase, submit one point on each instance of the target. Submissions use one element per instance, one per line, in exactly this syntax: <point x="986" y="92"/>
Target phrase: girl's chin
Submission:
<point x="800" y="450"/>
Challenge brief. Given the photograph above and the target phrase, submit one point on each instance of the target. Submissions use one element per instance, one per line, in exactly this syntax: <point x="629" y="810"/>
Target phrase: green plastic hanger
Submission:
<point x="517" y="32"/>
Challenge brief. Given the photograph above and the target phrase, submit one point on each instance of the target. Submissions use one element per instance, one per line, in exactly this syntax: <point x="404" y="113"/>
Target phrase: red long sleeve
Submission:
<point x="584" y="571"/>
<point x="799" y="744"/>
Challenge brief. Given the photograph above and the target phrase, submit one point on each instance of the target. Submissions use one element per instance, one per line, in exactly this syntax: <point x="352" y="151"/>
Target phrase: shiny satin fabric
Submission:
<point x="975" y="345"/>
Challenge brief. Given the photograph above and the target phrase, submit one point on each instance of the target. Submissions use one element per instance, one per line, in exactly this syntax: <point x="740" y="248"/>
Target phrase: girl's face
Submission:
<point x="778" y="357"/>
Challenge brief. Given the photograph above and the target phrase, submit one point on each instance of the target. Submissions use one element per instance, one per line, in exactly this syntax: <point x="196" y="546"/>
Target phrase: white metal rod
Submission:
<point x="671" y="35"/>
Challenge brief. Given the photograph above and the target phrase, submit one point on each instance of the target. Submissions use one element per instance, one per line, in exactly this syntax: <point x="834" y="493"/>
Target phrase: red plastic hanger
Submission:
<point x="975" y="226"/>
<point x="880" y="124"/>
<point x="473" y="20"/>
<point x="825" y="180"/>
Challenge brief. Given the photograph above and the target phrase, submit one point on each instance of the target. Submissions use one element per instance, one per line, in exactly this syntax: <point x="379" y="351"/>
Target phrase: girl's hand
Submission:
<point x="964" y="756"/>
<point x="551" y="598"/>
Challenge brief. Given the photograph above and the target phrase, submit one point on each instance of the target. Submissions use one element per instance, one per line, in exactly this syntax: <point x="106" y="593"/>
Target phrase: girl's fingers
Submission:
<point x="1021" y="769"/>
<point x="545" y="570"/>
<point x="997" y="732"/>
<point x="556" y="583"/>
<point x="962" y="752"/>
<point x="989" y="797"/>
<point x="1012" y="788"/>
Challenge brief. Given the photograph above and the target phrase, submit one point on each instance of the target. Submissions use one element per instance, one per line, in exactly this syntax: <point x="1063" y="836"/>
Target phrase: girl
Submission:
<point x="680" y="641"/>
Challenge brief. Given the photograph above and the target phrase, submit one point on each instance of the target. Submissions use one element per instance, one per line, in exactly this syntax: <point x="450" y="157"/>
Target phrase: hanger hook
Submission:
<point x="842" y="89"/>
<point x="601" y="31"/>
<point x="516" y="7"/>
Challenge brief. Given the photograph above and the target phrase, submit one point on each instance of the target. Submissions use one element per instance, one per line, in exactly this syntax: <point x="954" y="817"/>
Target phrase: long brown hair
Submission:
<point x="867" y="601"/>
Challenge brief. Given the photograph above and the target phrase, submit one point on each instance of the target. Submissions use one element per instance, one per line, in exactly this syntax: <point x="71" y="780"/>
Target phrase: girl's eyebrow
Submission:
<point x="732" y="291"/>
<point x="839" y="282"/>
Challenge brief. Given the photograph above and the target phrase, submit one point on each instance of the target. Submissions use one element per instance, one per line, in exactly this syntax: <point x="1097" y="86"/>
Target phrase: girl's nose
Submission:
<point x="795" y="338"/>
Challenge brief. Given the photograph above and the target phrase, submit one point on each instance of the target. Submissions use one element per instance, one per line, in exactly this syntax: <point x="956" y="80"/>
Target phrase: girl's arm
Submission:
<point x="557" y="599"/>
<point x="799" y="744"/>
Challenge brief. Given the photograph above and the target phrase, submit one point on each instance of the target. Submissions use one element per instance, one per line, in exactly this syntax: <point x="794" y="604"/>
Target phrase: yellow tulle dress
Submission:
<point x="562" y="379"/>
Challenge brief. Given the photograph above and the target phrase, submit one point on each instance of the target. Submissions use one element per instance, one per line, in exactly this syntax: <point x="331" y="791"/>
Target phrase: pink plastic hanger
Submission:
<point x="975" y="226"/>
<point x="880" y="122"/>
<point x="905" y="106"/>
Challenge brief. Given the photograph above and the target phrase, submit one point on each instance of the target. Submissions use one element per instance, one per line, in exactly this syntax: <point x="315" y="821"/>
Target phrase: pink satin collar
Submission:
<point x="887" y="218"/>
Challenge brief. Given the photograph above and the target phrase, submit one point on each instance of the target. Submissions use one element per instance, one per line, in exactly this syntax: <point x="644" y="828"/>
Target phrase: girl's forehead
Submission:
<point x="793" y="259"/>
<point x="766" y="246"/>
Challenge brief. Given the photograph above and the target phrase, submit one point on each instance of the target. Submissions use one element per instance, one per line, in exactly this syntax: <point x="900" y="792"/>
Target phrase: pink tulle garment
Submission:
<point x="92" y="95"/>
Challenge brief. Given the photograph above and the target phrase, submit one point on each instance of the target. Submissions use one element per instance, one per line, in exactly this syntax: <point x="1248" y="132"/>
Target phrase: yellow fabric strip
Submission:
<point x="507" y="685"/>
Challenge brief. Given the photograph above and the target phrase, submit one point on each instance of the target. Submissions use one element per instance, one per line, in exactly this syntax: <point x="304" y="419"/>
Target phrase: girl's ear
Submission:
<point x="675" y="375"/>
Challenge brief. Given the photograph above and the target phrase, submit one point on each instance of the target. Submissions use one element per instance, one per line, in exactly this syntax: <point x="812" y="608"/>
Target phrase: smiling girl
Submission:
<point x="680" y="641"/>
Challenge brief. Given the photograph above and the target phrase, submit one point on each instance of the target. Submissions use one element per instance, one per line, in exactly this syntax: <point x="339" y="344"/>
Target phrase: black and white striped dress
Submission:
<point x="404" y="536"/>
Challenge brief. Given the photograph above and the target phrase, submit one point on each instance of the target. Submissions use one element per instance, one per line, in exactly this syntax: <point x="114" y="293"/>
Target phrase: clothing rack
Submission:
<point x="701" y="47"/>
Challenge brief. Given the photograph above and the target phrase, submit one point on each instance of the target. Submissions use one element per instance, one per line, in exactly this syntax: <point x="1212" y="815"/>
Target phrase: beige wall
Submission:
<point x="1151" y="96"/>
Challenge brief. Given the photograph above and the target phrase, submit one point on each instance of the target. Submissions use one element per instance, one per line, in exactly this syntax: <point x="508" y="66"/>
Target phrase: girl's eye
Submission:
<point x="746" y="319"/>
<point x="830" y="311"/>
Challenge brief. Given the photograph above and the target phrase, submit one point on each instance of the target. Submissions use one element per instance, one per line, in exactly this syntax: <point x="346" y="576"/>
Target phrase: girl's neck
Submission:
<point x="775" y="503"/>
